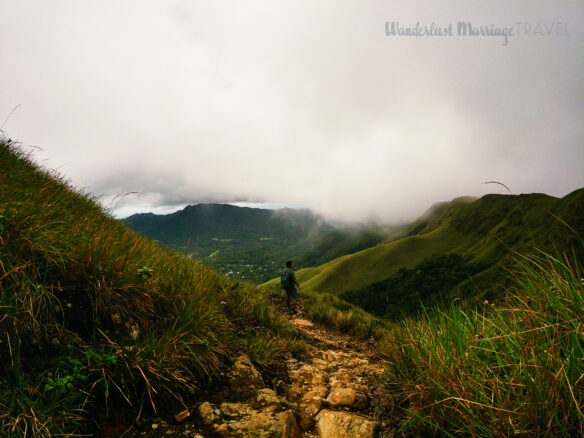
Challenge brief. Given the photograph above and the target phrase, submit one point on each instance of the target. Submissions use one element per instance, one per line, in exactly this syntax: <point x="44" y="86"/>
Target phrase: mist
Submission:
<point x="296" y="103"/>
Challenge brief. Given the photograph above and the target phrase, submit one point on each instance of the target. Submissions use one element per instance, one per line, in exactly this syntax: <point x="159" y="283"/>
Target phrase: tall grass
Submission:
<point x="514" y="369"/>
<point x="337" y="314"/>
<point x="96" y="318"/>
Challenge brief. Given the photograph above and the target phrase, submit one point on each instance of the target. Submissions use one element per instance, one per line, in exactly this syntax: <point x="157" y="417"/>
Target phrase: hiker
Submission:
<point x="291" y="286"/>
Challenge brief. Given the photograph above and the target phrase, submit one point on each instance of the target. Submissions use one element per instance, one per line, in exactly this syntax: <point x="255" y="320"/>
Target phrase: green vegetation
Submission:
<point x="513" y="369"/>
<point x="409" y="290"/>
<point x="487" y="231"/>
<point x="252" y="243"/>
<point x="98" y="322"/>
<point x="333" y="312"/>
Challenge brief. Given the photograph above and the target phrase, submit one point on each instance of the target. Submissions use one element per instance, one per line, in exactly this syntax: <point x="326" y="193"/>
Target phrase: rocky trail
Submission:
<point x="334" y="391"/>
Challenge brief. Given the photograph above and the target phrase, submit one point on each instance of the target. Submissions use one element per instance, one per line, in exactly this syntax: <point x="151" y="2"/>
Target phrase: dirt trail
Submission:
<point x="339" y="390"/>
<point x="335" y="391"/>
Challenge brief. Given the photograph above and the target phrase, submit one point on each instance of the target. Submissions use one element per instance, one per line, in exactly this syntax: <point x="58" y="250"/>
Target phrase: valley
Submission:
<point x="253" y="244"/>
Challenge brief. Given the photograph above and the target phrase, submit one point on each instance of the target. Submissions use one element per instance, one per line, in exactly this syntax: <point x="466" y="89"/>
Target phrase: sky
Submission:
<point x="153" y="105"/>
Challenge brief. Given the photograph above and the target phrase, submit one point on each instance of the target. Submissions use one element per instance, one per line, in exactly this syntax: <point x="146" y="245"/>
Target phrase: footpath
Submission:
<point x="336" y="391"/>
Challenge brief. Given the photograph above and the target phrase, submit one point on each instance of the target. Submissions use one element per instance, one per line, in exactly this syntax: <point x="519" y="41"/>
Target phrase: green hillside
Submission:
<point x="98" y="322"/>
<point x="253" y="243"/>
<point x="486" y="232"/>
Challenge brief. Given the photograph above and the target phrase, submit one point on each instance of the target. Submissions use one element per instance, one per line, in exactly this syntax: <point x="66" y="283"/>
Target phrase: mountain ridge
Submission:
<point x="488" y="230"/>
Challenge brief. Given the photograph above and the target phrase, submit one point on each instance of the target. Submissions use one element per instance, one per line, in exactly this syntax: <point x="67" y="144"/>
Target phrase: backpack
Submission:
<point x="286" y="280"/>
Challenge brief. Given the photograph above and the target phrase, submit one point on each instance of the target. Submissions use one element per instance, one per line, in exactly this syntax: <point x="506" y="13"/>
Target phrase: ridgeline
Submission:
<point x="468" y="244"/>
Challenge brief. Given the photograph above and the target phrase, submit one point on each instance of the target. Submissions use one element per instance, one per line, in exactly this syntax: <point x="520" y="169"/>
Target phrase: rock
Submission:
<point x="336" y="424"/>
<point x="307" y="379"/>
<point x="321" y="364"/>
<point x="182" y="416"/>
<point x="222" y="429"/>
<point x="234" y="410"/>
<point x="260" y="424"/>
<point x="243" y="378"/>
<point x="331" y="356"/>
<point x="267" y="397"/>
<point x="355" y="362"/>
<point x="307" y="390"/>
<point x="307" y="409"/>
<point x="303" y="323"/>
<point x="346" y="397"/>
<point x="207" y="413"/>
<point x="292" y="363"/>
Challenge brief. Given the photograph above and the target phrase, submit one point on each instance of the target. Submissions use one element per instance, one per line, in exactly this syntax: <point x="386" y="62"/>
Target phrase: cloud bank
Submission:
<point x="297" y="102"/>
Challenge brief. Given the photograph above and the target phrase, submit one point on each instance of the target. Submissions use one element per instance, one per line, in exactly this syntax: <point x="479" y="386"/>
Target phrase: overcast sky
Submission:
<point x="308" y="103"/>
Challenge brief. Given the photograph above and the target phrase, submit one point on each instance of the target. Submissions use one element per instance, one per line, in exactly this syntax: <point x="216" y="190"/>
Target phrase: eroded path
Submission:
<point x="338" y="391"/>
<point x="335" y="391"/>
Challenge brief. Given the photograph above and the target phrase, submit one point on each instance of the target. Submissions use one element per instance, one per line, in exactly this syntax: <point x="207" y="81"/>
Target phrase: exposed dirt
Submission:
<point x="335" y="390"/>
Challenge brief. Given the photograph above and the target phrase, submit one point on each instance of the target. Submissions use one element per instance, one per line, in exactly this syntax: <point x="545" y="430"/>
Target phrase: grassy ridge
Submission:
<point x="486" y="231"/>
<point x="95" y="318"/>
<point x="377" y="263"/>
<point x="407" y="291"/>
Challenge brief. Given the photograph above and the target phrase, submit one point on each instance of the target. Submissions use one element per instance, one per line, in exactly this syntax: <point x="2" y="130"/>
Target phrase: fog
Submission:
<point x="296" y="103"/>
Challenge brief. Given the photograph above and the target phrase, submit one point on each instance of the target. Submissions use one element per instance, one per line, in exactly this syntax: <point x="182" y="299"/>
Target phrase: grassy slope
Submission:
<point x="486" y="230"/>
<point x="96" y="320"/>
<point x="505" y="370"/>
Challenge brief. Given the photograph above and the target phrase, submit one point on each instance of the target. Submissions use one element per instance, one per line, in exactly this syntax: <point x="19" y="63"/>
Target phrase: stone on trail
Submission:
<point x="346" y="397"/>
<point x="259" y="424"/>
<point x="303" y="323"/>
<point x="336" y="424"/>
<point x="207" y="413"/>
<point x="267" y="397"/>
<point x="308" y="388"/>
<point x="334" y="356"/>
<point x="243" y="378"/>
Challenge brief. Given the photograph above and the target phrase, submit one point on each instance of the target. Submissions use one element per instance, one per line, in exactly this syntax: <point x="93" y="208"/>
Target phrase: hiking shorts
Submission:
<point x="292" y="294"/>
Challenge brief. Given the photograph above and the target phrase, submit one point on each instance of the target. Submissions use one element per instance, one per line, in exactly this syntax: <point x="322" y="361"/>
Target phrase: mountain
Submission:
<point x="486" y="234"/>
<point x="254" y="243"/>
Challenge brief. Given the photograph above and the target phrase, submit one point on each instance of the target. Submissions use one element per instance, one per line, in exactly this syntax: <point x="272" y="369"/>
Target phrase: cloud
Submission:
<point x="296" y="102"/>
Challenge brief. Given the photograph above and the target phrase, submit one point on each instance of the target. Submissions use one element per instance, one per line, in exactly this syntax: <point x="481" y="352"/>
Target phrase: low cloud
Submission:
<point x="295" y="103"/>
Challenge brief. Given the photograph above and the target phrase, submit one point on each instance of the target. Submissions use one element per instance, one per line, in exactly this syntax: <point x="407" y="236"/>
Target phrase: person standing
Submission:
<point x="291" y="286"/>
